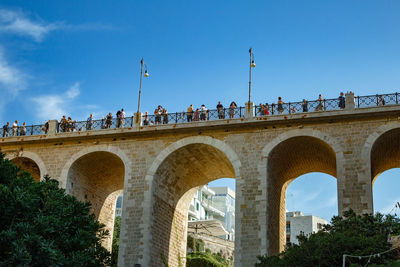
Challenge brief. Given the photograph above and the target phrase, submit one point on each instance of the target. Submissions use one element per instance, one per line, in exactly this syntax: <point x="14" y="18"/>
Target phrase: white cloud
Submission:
<point x="49" y="107"/>
<point x="18" y="23"/>
<point x="12" y="80"/>
<point x="52" y="107"/>
<point x="74" y="91"/>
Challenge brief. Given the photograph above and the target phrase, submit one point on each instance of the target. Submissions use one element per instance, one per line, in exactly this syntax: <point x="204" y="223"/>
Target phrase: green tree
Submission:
<point x="115" y="242"/>
<point x="206" y="259"/>
<point x="40" y="225"/>
<point x="351" y="234"/>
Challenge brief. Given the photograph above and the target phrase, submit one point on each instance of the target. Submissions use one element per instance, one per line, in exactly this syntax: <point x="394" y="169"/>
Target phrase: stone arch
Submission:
<point x="98" y="174"/>
<point x="169" y="167"/>
<point x="27" y="161"/>
<point x="304" y="132"/>
<point x="381" y="152"/>
<point x="285" y="158"/>
<point x="368" y="147"/>
<point x="207" y="140"/>
<point x="98" y="148"/>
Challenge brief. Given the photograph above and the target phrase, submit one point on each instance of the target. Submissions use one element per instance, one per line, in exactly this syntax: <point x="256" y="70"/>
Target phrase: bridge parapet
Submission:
<point x="263" y="110"/>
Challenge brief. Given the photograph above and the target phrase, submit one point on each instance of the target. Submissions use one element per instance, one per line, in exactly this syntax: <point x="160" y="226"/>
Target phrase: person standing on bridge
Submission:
<point x="203" y="112"/>
<point x="118" y="117"/>
<point x="232" y="110"/>
<point x="304" y="105"/>
<point x="108" y="120"/>
<point x="266" y="109"/>
<point x="22" y="129"/>
<point x="220" y="109"/>
<point x="321" y="103"/>
<point x="70" y="125"/>
<point x="189" y="114"/>
<point x="63" y="124"/>
<point x="342" y="101"/>
<point x="146" y="118"/>
<point x="165" y="116"/>
<point x="122" y="118"/>
<point x="280" y="105"/>
<point x="6" y="130"/>
<point x="381" y="101"/>
<point x="89" y="122"/>
<point x="15" y="128"/>
<point x="157" y="114"/>
<point x="197" y="115"/>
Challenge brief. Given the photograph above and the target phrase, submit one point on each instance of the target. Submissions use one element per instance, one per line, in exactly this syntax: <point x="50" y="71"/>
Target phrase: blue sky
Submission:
<point x="81" y="57"/>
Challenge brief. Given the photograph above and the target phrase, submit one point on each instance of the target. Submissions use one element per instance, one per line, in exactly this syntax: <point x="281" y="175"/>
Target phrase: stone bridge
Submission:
<point x="158" y="168"/>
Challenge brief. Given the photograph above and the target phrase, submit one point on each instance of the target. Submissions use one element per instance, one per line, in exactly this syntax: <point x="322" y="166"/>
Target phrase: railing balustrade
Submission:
<point x="209" y="115"/>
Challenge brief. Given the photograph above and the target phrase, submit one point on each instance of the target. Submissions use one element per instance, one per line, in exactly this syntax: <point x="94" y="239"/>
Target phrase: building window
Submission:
<point x="287" y="227"/>
<point x="287" y="238"/>
<point x="197" y="206"/>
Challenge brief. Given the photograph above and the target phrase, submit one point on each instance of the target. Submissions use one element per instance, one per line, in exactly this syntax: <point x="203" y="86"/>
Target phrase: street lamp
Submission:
<point x="146" y="74"/>
<point x="252" y="65"/>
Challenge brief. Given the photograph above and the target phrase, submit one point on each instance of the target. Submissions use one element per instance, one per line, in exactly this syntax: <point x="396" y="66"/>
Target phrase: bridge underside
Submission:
<point x="287" y="161"/>
<point x="28" y="165"/>
<point x="175" y="182"/>
<point x="98" y="177"/>
<point x="385" y="153"/>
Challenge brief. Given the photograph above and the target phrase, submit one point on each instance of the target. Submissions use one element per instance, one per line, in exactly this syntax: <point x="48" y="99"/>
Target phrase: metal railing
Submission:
<point x="377" y="100"/>
<point x="89" y="125"/>
<point x="24" y="130"/>
<point x="296" y="107"/>
<point x="209" y="115"/>
<point x="196" y="116"/>
<point x="325" y="105"/>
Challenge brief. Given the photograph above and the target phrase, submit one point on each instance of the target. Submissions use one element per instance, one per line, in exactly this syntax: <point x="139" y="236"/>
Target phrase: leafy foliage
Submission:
<point x="351" y="234"/>
<point x="196" y="244"/>
<point x="115" y="241"/>
<point x="201" y="259"/>
<point x="40" y="225"/>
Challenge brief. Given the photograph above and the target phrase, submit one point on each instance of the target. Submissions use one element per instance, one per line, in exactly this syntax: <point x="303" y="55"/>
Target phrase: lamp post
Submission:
<point x="252" y="65"/>
<point x="146" y="74"/>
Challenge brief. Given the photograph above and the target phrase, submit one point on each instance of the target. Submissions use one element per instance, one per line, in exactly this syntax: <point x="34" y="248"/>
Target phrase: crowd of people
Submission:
<point x="68" y="125"/>
<point x="265" y="109"/>
<point x="192" y="114"/>
<point x="14" y="129"/>
<point x="161" y="116"/>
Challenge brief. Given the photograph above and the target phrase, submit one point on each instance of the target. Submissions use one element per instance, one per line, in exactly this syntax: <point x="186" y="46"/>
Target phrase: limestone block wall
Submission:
<point x="160" y="164"/>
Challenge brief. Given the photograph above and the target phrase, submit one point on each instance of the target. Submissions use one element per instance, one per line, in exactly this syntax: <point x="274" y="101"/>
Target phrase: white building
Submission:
<point x="297" y="223"/>
<point x="214" y="203"/>
<point x="224" y="200"/>
<point x="118" y="206"/>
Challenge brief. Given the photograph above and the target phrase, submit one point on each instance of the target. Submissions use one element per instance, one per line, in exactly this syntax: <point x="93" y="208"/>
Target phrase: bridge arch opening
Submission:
<point x="287" y="161"/>
<point x="98" y="177"/>
<point x="175" y="182"/>
<point x="385" y="191"/>
<point x="385" y="164"/>
<point x="28" y="165"/>
<point x="310" y="194"/>
<point x="385" y="153"/>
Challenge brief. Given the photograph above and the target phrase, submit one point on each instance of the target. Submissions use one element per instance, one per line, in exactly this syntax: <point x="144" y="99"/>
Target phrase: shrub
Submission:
<point x="351" y="234"/>
<point x="40" y="225"/>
